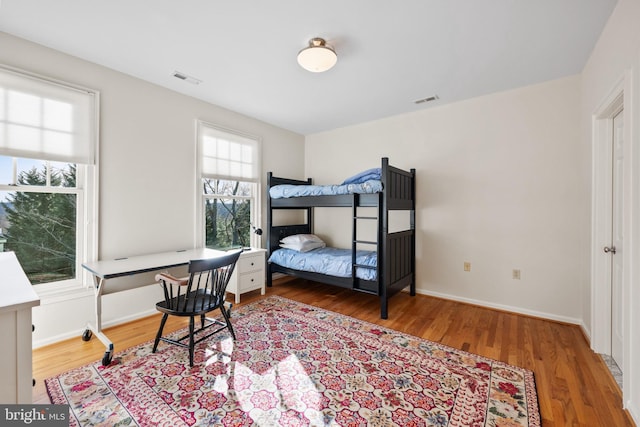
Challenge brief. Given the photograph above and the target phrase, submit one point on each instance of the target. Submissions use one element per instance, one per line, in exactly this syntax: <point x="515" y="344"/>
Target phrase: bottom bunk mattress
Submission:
<point x="328" y="261"/>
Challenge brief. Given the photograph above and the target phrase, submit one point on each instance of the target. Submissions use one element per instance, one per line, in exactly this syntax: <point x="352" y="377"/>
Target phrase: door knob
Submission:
<point x="611" y="249"/>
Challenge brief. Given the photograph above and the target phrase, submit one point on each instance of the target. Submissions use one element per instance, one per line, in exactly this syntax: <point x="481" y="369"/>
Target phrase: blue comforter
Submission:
<point x="286" y="191"/>
<point x="329" y="261"/>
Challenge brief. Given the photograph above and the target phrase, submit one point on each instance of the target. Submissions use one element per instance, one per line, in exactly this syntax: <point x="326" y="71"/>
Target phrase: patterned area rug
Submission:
<point x="298" y="365"/>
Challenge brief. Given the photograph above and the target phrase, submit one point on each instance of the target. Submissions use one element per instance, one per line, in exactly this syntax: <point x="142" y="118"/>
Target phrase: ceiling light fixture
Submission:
<point x="317" y="57"/>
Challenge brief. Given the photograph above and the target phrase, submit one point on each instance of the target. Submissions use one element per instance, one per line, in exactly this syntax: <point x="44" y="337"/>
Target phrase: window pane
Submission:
<point x="63" y="174"/>
<point x="41" y="229"/>
<point x="4" y="204"/>
<point x="227" y="222"/>
<point x="32" y="172"/>
<point x="6" y="170"/>
<point x="227" y="188"/>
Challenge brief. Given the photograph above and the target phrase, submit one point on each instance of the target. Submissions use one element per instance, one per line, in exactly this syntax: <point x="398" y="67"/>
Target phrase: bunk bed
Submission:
<point x="387" y="268"/>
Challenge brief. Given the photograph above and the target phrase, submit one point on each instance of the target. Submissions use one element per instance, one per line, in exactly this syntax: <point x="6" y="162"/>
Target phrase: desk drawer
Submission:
<point x="251" y="281"/>
<point x="250" y="263"/>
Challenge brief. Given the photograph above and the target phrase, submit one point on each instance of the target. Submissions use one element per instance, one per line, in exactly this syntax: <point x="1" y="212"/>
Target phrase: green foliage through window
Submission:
<point x="227" y="213"/>
<point x="41" y="226"/>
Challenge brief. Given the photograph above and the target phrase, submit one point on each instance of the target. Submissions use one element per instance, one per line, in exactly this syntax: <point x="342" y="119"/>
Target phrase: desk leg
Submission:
<point x="97" y="329"/>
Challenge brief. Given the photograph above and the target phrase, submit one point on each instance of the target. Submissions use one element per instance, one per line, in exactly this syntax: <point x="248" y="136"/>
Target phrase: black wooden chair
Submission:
<point x="202" y="292"/>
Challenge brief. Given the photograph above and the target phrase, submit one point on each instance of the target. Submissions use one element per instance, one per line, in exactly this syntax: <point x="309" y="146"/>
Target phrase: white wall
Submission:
<point x="616" y="57"/>
<point x="147" y="157"/>
<point x="500" y="183"/>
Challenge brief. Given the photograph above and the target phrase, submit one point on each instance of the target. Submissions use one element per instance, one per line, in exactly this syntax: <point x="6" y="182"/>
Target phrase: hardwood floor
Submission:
<point x="574" y="386"/>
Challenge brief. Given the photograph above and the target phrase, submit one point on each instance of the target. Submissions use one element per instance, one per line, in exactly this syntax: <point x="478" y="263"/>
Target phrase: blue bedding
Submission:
<point x="374" y="173"/>
<point x="286" y="191"/>
<point x="329" y="261"/>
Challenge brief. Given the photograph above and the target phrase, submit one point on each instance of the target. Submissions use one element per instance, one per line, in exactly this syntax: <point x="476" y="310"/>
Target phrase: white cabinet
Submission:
<point x="248" y="274"/>
<point x="17" y="297"/>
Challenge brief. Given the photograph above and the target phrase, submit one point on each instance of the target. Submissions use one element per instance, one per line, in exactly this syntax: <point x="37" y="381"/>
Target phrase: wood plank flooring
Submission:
<point x="574" y="386"/>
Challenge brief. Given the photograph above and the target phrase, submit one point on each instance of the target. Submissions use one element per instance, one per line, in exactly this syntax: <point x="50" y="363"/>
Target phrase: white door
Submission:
<point x="617" y="332"/>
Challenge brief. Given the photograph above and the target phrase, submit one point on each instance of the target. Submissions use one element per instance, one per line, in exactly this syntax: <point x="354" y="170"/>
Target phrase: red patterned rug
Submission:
<point x="298" y="365"/>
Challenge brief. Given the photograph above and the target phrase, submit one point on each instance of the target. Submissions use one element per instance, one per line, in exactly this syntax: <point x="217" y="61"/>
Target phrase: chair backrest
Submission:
<point x="207" y="284"/>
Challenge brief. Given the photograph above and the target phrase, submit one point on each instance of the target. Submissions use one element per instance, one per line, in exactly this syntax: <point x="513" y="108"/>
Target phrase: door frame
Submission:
<point x="602" y="126"/>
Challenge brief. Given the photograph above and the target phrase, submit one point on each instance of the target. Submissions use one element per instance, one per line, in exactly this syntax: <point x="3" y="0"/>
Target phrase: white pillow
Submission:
<point x="301" y="238"/>
<point x="303" y="246"/>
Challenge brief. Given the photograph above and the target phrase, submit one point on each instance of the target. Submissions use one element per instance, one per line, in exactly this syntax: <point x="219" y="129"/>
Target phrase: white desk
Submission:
<point x="109" y="269"/>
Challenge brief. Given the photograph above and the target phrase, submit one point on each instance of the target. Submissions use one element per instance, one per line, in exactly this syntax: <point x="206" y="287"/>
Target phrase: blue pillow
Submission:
<point x="363" y="176"/>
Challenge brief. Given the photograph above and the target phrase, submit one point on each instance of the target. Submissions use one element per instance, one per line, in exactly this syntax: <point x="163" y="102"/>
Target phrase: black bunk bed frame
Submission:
<point x="395" y="268"/>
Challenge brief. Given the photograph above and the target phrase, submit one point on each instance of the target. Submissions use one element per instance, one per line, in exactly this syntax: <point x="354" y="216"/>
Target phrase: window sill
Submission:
<point x="52" y="295"/>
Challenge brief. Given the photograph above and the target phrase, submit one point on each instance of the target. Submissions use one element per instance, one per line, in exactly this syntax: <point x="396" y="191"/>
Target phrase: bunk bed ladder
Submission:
<point x="355" y="242"/>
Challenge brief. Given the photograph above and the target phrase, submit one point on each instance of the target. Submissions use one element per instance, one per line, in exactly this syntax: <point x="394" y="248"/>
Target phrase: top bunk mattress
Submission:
<point x="286" y="191"/>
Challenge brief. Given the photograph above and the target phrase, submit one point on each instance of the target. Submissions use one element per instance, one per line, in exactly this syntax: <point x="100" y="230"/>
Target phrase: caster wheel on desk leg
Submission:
<point x="106" y="359"/>
<point x="86" y="335"/>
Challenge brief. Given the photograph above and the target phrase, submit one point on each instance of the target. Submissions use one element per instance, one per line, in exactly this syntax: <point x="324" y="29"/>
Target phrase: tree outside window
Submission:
<point x="39" y="225"/>
<point x="227" y="213"/>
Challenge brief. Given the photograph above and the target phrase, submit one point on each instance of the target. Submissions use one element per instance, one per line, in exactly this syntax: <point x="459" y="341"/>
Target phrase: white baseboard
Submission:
<point x="585" y="331"/>
<point x="512" y="309"/>
<point x="634" y="411"/>
<point x="78" y="334"/>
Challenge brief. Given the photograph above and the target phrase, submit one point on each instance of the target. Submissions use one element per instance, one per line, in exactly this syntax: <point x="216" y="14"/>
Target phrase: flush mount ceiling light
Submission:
<point x="317" y="57"/>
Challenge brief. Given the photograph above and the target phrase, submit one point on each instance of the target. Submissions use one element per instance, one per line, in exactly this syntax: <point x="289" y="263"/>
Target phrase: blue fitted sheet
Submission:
<point x="329" y="261"/>
<point x="286" y="191"/>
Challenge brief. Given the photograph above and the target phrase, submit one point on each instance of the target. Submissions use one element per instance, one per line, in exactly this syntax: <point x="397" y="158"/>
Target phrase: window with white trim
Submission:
<point x="48" y="140"/>
<point x="228" y="183"/>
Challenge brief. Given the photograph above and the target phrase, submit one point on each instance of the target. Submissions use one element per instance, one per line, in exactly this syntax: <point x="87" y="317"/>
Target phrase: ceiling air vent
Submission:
<point x="186" y="78"/>
<point x="428" y="99"/>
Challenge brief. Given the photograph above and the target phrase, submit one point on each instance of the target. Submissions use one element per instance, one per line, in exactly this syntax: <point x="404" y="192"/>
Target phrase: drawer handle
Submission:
<point x="252" y="264"/>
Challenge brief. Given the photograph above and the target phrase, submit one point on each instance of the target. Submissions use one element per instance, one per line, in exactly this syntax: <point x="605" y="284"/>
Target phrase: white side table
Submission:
<point x="249" y="273"/>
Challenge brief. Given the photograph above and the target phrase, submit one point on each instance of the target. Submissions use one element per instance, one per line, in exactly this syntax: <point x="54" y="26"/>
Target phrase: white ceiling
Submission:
<point x="390" y="53"/>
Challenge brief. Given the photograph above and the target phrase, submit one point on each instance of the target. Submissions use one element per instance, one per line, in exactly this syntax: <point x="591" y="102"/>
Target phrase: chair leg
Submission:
<point x="202" y="317"/>
<point x="159" y="334"/>
<point x="227" y="319"/>
<point x="191" y="341"/>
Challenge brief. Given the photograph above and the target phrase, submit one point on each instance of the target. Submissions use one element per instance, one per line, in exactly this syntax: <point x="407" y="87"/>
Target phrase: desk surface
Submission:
<point x="119" y="267"/>
<point x="17" y="291"/>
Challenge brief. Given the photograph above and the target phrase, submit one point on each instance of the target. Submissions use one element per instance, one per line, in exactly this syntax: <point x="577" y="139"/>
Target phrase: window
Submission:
<point x="228" y="185"/>
<point x="48" y="137"/>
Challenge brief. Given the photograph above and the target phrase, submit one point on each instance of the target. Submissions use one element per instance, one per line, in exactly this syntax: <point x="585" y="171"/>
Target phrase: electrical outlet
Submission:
<point x="516" y="274"/>
<point x="467" y="266"/>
